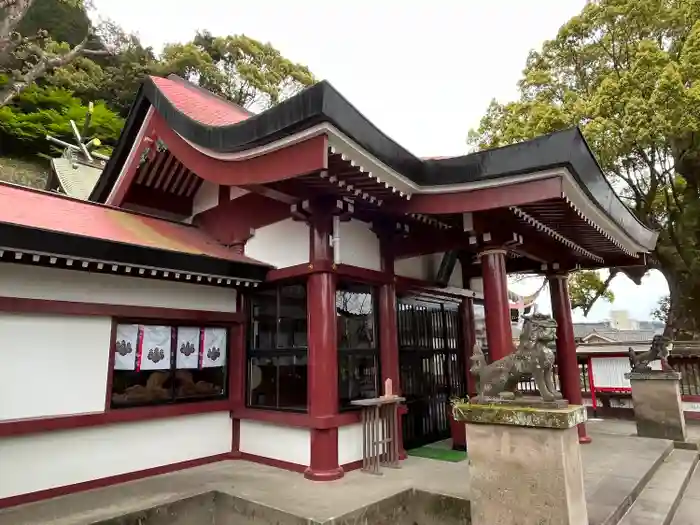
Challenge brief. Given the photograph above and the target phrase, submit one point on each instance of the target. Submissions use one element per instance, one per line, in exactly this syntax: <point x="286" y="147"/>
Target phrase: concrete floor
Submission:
<point x="613" y="464"/>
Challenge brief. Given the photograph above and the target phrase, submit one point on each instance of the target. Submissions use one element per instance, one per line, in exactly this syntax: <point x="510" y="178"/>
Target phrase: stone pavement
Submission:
<point x="615" y="466"/>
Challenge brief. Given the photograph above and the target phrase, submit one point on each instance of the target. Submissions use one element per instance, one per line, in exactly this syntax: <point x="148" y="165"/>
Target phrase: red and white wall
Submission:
<point x="55" y="377"/>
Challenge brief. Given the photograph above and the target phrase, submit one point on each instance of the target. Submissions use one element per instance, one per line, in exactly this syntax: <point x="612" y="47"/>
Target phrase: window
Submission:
<point x="156" y="364"/>
<point x="358" y="359"/>
<point x="277" y="349"/>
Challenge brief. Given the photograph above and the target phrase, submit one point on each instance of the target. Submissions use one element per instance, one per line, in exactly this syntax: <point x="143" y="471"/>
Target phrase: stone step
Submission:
<point x="688" y="512"/>
<point x="658" y="501"/>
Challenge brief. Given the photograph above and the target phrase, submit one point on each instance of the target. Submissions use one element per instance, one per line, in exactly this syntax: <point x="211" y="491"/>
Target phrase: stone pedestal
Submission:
<point x="658" y="408"/>
<point x="525" y="464"/>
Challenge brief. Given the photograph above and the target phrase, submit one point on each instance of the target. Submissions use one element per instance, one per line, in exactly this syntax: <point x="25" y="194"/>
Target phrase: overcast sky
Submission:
<point x="422" y="71"/>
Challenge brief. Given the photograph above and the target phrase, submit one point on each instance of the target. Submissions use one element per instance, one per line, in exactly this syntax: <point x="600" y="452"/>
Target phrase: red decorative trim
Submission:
<point x="131" y="166"/>
<point x="691" y="399"/>
<point x="292" y="272"/>
<point x="288" y="162"/>
<point x="363" y="274"/>
<point x="271" y="462"/>
<point x="353" y="465"/>
<point x="499" y="196"/>
<point x="21" y="427"/>
<point x="46" y="306"/>
<point x="695" y="416"/>
<point x="31" y="497"/>
<point x="614" y="390"/>
<point x="295" y="419"/>
<point x="231" y="221"/>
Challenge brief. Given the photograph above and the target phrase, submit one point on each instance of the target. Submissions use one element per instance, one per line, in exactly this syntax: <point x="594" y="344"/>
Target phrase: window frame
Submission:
<point x="173" y="399"/>
<point x="276" y="352"/>
<point x="361" y="352"/>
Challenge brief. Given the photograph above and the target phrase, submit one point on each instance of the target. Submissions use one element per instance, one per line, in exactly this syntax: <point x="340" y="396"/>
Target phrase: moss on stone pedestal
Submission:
<point x="561" y="418"/>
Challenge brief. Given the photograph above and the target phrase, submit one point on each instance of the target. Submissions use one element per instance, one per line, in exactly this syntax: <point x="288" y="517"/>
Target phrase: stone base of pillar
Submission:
<point x="525" y="465"/>
<point x="658" y="408"/>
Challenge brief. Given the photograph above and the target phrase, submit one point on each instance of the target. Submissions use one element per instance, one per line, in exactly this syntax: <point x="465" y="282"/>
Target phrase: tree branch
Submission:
<point x="14" y="12"/>
<point x="587" y="308"/>
<point x="45" y="64"/>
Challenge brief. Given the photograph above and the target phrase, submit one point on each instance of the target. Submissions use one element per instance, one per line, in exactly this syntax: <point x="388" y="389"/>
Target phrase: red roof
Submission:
<point x="61" y="214"/>
<point x="199" y="104"/>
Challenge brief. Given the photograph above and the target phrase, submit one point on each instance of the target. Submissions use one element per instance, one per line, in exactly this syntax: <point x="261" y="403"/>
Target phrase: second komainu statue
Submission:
<point x="534" y="356"/>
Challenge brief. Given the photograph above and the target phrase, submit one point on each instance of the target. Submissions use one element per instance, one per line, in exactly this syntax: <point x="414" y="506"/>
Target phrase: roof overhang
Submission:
<point x="26" y="245"/>
<point x="563" y="157"/>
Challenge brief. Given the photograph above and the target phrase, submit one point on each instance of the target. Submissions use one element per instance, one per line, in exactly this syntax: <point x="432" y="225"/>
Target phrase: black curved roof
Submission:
<point x="323" y="103"/>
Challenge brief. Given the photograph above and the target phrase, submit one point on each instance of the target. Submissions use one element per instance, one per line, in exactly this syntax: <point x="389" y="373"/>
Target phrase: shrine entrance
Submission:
<point x="431" y="367"/>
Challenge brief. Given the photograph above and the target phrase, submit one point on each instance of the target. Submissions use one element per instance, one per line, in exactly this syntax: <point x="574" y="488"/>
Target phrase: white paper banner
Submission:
<point x="155" y="348"/>
<point x="214" y="351"/>
<point x="187" y="348"/>
<point x="125" y="347"/>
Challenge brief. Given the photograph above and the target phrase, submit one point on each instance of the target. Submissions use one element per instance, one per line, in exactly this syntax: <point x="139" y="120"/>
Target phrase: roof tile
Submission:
<point x="62" y="214"/>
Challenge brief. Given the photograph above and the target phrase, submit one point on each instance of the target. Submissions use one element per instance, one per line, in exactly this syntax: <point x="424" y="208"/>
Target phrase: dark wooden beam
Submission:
<point x="146" y="197"/>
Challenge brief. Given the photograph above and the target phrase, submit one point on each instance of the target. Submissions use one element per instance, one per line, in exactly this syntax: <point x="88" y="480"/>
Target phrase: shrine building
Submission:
<point x="235" y="280"/>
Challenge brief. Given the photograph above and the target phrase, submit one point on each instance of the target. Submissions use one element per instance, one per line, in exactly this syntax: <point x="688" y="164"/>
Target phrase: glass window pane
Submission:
<point x="277" y="382"/>
<point x="358" y="377"/>
<point x="207" y="382"/>
<point x="292" y="323"/>
<point x="355" y="316"/>
<point x="263" y="320"/>
<point x="130" y="387"/>
<point x="292" y="382"/>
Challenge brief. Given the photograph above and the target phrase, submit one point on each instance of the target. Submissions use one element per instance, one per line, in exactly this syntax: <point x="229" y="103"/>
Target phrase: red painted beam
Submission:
<point x="292" y="161"/>
<point x="231" y="221"/>
<point x="499" y="196"/>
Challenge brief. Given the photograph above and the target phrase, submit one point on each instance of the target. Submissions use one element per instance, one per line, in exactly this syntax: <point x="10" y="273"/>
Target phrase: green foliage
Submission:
<point x="239" y="68"/>
<point x="586" y="287"/>
<point x="41" y="111"/>
<point x="627" y="72"/>
<point x="64" y="21"/>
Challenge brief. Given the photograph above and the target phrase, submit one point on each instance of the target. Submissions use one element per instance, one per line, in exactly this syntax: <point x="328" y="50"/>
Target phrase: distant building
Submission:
<point x="616" y="334"/>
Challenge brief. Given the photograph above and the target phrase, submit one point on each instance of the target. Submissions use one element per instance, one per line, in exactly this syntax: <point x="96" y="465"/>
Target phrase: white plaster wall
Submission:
<point x="359" y="245"/>
<point x="282" y="244"/>
<point x="426" y="267"/>
<point x="207" y="197"/>
<point x="476" y="284"/>
<point x="349" y="443"/>
<point x="54" y="459"/>
<point x="33" y="282"/>
<point x="279" y="442"/>
<point x="413" y="267"/>
<point x="53" y="365"/>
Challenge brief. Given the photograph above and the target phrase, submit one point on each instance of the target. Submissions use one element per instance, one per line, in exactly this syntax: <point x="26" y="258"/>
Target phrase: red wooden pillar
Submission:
<point x="322" y="368"/>
<point x="236" y="374"/>
<point x="567" y="363"/>
<point x="388" y="332"/>
<point x="498" y="330"/>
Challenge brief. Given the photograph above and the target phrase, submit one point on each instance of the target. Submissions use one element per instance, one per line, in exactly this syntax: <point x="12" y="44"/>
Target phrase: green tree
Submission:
<point x="241" y="69"/>
<point x="628" y="73"/>
<point x="27" y="58"/>
<point x="40" y="111"/>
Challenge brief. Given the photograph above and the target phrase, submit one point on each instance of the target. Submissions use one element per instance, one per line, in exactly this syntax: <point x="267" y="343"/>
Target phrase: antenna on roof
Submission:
<point x="80" y="152"/>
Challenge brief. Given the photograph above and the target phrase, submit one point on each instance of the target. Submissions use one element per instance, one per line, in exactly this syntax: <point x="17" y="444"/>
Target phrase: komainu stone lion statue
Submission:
<point x="533" y="356"/>
<point x="659" y="350"/>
